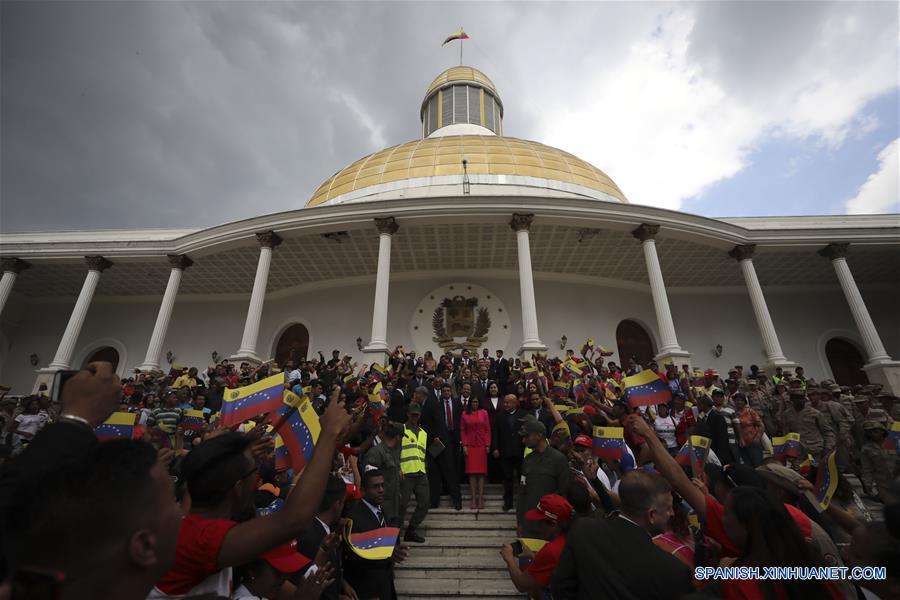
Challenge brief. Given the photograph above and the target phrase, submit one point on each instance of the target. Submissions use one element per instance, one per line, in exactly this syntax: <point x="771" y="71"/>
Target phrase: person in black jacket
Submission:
<point x="616" y="557"/>
<point x="714" y="423"/>
<point x="312" y="539"/>
<point x="441" y="418"/>
<point x="371" y="578"/>
<point x="506" y="445"/>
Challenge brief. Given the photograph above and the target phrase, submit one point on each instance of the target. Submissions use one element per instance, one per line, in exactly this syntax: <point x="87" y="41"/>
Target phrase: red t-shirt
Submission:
<point x="196" y="560"/>
<point x="716" y="530"/>
<point x="541" y="568"/>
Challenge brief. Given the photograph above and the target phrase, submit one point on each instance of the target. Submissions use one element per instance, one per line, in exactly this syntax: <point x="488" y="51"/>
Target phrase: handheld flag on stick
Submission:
<point x="377" y="373"/>
<point x="299" y="429"/>
<point x="694" y="453"/>
<point x="578" y="388"/>
<point x="258" y="398"/>
<point x="786" y="446"/>
<point x="646" y="389"/>
<point x="826" y="481"/>
<point x="193" y="421"/>
<point x="282" y="456"/>
<point x="376" y="401"/>
<point x="609" y="442"/>
<point x="118" y="425"/>
<point x="377" y="544"/>
<point x="560" y="389"/>
<point x="163" y="435"/>
<point x="530" y="373"/>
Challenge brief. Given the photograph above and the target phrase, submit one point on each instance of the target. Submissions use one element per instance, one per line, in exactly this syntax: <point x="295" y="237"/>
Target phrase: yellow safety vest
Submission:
<point x="412" y="452"/>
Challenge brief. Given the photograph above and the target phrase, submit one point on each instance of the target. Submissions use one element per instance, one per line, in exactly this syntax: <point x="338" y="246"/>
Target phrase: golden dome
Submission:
<point x="462" y="74"/>
<point x="486" y="155"/>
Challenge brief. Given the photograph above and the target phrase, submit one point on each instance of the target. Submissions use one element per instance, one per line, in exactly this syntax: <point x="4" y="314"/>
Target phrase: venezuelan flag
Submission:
<point x="694" y="453"/>
<point x="377" y="544"/>
<point x="163" y="435"/>
<point x="646" y="389"/>
<point x="560" y="389"/>
<point x="456" y="35"/>
<point x="530" y="373"/>
<point x="377" y="373"/>
<point x="282" y="456"/>
<point x="826" y="480"/>
<point x="786" y="446"/>
<point x="299" y="430"/>
<point x="260" y="398"/>
<point x="892" y="442"/>
<point x="609" y="442"/>
<point x="533" y="544"/>
<point x="807" y="465"/>
<point x="578" y="388"/>
<point x="118" y="425"/>
<point x="193" y="420"/>
<point x="376" y="400"/>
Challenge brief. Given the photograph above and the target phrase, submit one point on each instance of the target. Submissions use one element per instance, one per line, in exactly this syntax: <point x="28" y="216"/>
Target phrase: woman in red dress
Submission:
<point x="475" y="435"/>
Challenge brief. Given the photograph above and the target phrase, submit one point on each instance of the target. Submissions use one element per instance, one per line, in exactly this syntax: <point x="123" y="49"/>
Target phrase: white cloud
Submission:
<point x="881" y="191"/>
<point x="695" y="93"/>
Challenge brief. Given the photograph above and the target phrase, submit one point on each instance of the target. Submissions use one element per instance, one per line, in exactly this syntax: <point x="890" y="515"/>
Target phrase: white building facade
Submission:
<point x="463" y="239"/>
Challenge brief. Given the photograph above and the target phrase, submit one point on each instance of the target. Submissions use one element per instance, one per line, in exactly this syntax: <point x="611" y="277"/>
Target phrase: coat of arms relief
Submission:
<point x="459" y="323"/>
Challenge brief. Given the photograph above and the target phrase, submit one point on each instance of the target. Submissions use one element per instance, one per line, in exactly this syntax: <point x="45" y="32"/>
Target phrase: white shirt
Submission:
<point x="242" y="593"/>
<point x="665" y="429"/>
<point x="375" y="509"/>
<point x="495" y="402"/>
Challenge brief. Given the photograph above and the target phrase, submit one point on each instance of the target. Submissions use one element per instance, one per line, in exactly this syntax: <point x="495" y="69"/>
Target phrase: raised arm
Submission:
<point x="667" y="466"/>
<point x="248" y="540"/>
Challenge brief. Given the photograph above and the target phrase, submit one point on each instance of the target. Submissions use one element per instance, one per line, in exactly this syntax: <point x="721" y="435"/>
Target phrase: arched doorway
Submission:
<point x="846" y="362"/>
<point x="293" y="344"/>
<point x="633" y="340"/>
<point x="104" y="354"/>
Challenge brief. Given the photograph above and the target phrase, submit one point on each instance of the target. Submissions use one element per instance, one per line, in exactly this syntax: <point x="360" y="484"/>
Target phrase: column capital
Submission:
<point x="97" y="263"/>
<point x="521" y="221"/>
<point x="268" y="239"/>
<point x="179" y="261"/>
<point x="833" y="251"/>
<point x="744" y="252"/>
<point x="13" y="265"/>
<point x="386" y="225"/>
<point x="645" y="232"/>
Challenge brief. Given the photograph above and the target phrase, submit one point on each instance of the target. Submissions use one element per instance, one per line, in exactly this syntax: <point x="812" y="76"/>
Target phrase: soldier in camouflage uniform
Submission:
<point x="816" y="434"/>
<point x="760" y="401"/>
<point x="840" y="420"/>
<point x="877" y="461"/>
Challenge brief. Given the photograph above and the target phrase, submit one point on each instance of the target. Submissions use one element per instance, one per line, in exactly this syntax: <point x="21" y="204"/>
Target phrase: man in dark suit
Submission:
<point x="537" y="410"/>
<point x="417" y="380"/>
<point x="371" y="578"/>
<point x="399" y="399"/>
<point x="311" y="539"/>
<point x="616" y="557"/>
<point x="440" y="418"/>
<point x="499" y="370"/>
<point x="506" y="445"/>
<point x="480" y="385"/>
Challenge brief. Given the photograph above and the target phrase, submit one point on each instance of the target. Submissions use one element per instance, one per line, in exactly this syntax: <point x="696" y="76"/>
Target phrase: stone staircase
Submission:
<point x="461" y="555"/>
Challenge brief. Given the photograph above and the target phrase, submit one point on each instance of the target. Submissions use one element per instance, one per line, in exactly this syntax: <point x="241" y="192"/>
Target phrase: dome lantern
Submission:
<point x="461" y="100"/>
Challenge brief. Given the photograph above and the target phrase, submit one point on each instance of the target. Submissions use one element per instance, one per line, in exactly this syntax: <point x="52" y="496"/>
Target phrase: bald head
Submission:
<point x="509" y="402"/>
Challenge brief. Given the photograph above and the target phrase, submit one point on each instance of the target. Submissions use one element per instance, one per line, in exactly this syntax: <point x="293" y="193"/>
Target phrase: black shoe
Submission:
<point x="457" y="504"/>
<point x="412" y="536"/>
<point x="507" y="507"/>
<point x="436" y="505"/>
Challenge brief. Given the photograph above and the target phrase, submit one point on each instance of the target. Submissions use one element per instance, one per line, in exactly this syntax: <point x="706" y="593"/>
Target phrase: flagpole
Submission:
<point x="460" y="44"/>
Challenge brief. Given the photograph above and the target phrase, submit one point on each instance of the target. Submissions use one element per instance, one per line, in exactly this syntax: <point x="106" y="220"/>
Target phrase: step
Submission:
<point x="424" y="573"/>
<point x="516" y="596"/>
<point x="443" y="586"/>
<point x="485" y="551"/>
<point x="485" y="523"/>
<point x="462" y="561"/>
<point x="487" y="510"/>
<point x="442" y="514"/>
<point x="492" y="540"/>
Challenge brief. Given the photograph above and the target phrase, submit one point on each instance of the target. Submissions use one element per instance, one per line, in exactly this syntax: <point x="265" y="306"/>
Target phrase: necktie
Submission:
<point x="449" y="415"/>
<point x="380" y="516"/>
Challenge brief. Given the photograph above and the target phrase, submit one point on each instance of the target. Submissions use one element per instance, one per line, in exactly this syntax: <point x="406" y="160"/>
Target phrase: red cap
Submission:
<point x="583" y="440"/>
<point x="590" y="410"/>
<point x="285" y="558"/>
<point x="553" y="508"/>
<point x="353" y="493"/>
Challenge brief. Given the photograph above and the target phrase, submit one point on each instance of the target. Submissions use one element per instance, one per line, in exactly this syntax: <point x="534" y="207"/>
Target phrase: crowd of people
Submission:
<point x="191" y="505"/>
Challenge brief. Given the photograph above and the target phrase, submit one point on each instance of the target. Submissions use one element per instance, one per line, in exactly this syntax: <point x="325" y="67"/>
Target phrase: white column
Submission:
<point x="837" y="254"/>
<point x="531" y="339"/>
<point x="669" y="348"/>
<point x="11" y="268"/>
<point x="179" y="263"/>
<point x="247" y="352"/>
<point x="63" y="358"/>
<point x="774" y="354"/>
<point x="387" y="227"/>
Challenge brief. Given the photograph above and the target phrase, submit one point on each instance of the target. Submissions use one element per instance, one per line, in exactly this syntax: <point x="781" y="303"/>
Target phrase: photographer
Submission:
<point x="553" y="514"/>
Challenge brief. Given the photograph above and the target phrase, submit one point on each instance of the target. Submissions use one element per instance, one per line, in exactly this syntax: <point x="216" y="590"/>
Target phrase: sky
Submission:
<point x="184" y="114"/>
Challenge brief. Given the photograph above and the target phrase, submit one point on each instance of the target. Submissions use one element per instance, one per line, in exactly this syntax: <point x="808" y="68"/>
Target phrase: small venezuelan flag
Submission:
<point x="786" y="446"/>
<point x="299" y="431"/>
<point x="118" y="425"/>
<point x="560" y="389"/>
<point x="694" y="453"/>
<point x="193" y="420"/>
<point x="578" y="388"/>
<point x="282" y="456"/>
<point x="646" y="389"/>
<point x="377" y="544"/>
<point x="892" y="442"/>
<point x="258" y="398"/>
<point x="826" y="480"/>
<point x="609" y="442"/>
<point x="377" y="373"/>
<point x="530" y="373"/>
